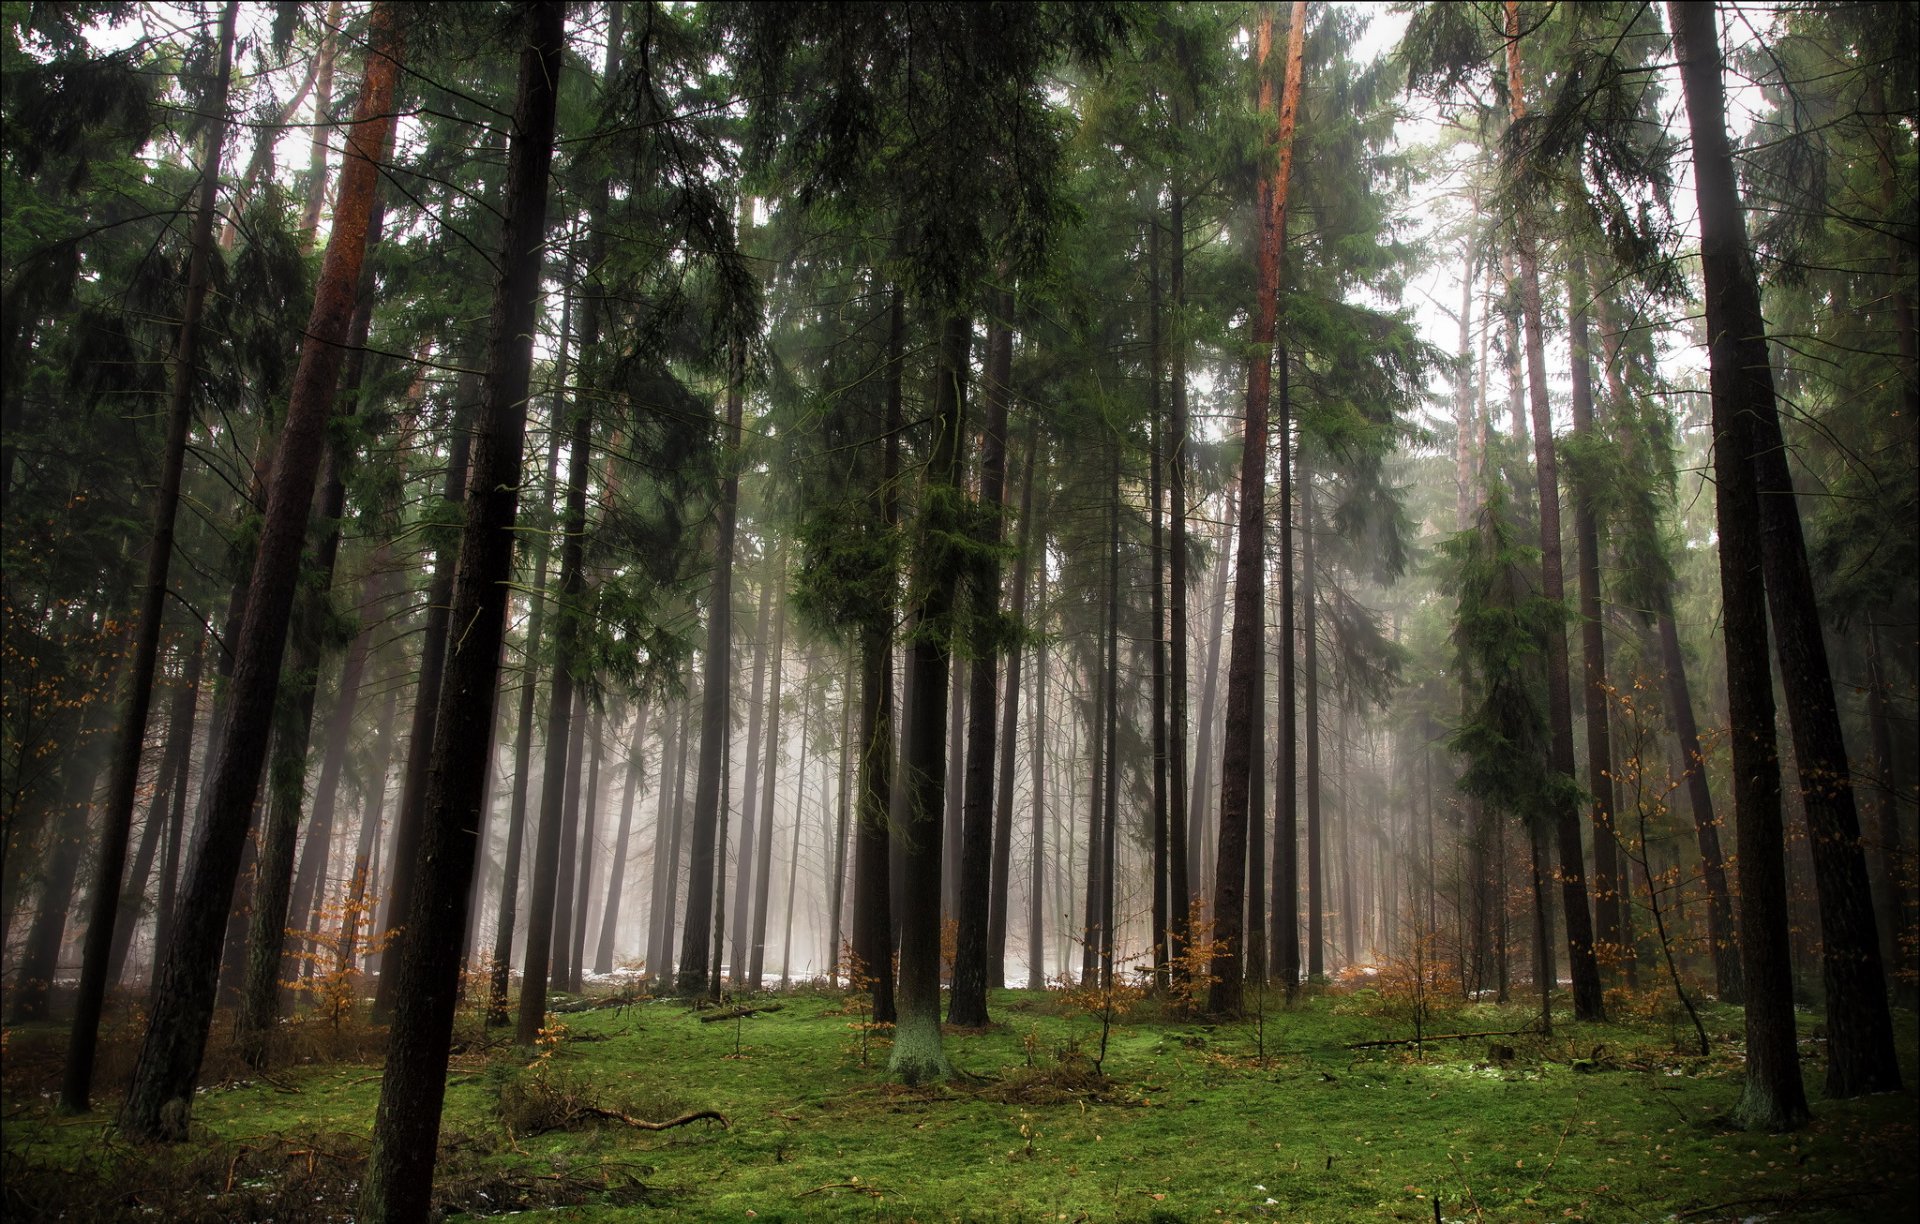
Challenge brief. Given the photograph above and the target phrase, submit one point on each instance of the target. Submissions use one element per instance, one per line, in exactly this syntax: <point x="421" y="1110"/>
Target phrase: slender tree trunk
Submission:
<point x="559" y="964"/>
<point x="750" y="794"/>
<point x="166" y="782"/>
<point x="873" y="843"/>
<point x="583" y="881"/>
<point x="716" y="957"/>
<point x="1891" y="874"/>
<point x="1597" y="694"/>
<point x="76" y="1085"/>
<point x="838" y="889"/>
<point x="1245" y="674"/>
<point x="1310" y="700"/>
<point x="551" y="845"/>
<point x="917" y="1053"/>
<point x="675" y="844"/>
<point x="1179" y="895"/>
<point x="1110" y="756"/>
<point x="1036" y="902"/>
<point x="1157" y="600"/>
<point x="160" y="1098"/>
<point x="1009" y="724"/>
<point x="433" y="654"/>
<point x="316" y="850"/>
<point x="659" y="916"/>
<point x="763" y="852"/>
<point x="957" y="770"/>
<point x="1197" y="814"/>
<point x="176" y="816"/>
<point x="540" y="542"/>
<point x="1542" y="925"/>
<point x="372" y="805"/>
<point x="710" y="783"/>
<point x="1284" y="952"/>
<point x="316" y="184"/>
<point x="1861" y="1057"/>
<point x="1096" y="808"/>
<point x="286" y="790"/>
<point x="399" y="1178"/>
<point x="793" y="859"/>
<point x="617" y="868"/>
<point x="1588" y="1003"/>
<point x="967" y="1001"/>
<point x="1775" y="1097"/>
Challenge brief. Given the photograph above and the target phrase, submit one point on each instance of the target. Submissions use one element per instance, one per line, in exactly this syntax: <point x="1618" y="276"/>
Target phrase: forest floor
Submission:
<point x="1275" y="1117"/>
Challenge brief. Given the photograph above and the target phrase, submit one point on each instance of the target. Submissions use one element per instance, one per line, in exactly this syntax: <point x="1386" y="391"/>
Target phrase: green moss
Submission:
<point x="1188" y="1125"/>
<point x="919" y="1056"/>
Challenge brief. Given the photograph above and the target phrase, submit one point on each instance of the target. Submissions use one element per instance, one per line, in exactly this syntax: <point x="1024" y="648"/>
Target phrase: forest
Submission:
<point x="921" y="611"/>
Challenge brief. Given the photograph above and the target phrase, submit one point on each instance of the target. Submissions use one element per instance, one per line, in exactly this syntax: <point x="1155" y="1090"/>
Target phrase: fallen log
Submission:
<point x="734" y="1013"/>
<point x="1398" y="1041"/>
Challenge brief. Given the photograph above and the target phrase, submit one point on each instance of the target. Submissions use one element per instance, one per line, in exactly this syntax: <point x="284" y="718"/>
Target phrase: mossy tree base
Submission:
<point x="918" y="1054"/>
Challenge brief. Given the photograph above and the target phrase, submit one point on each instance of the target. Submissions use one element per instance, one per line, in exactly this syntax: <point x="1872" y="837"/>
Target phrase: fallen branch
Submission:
<point x="1397" y="1041"/>
<point x="735" y="1013"/>
<point x="846" y="1185"/>
<point x="614" y="1115"/>
<point x="586" y="1005"/>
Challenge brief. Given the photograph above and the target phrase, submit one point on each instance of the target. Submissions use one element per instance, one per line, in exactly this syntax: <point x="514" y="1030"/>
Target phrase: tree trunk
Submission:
<point x="176" y="817"/>
<point x="710" y="783"/>
<point x="583" y="881"/>
<point x="399" y="1179"/>
<point x="1197" y="813"/>
<point x="1157" y="603"/>
<point x="659" y="918"/>
<point x="1245" y="673"/>
<point x="1720" y="924"/>
<point x="286" y="789"/>
<point x="750" y="794"/>
<point x="967" y="1001"/>
<point x="1110" y="718"/>
<point x="838" y="889"/>
<point x="317" y="848"/>
<point x="873" y="843"/>
<point x="675" y="843"/>
<point x="1284" y="951"/>
<point x="1775" y="1097"/>
<point x="1009" y="723"/>
<point x="917" y="1053"/>
<point x="373" y="803"/>
<point x="1310" y="700"/>
<point x="316" y="184"/>
<point x="540" y="542"/>
<point x="1588" y="1003"/>
<point x="1861" y="1057"/>
<point x="116" y="821"/>
<point x="559" y="957"/>
<point x="763" y="852"/>
<point x="1036" y="905"/>
<point x="426" y="705"/>
<point x="617" y="868"/>
<point x="1597" y="694"/>
<point x="167" y="783"/>
<point x="551" y="847"/>
<point x="957" y="770"/>
<point x="1096" y="808"/>
<point x="1179" y="898"/>
<point x="159" y="1099"/>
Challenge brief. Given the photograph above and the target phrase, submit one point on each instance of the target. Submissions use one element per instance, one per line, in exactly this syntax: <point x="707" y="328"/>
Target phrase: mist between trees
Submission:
<point x="531" y="499"/>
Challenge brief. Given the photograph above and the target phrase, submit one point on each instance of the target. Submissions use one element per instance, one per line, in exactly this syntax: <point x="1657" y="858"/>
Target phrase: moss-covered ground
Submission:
<point x="1185" y="1120"/>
